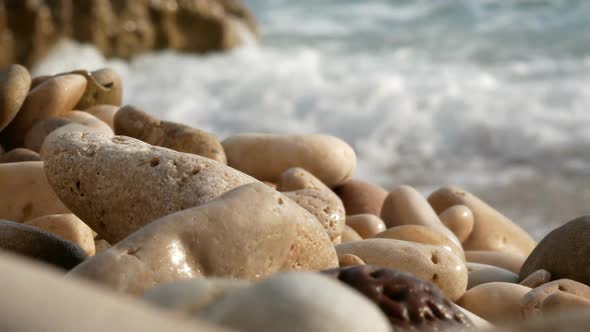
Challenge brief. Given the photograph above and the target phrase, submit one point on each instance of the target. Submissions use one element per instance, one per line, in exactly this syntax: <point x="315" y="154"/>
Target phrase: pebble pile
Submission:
<point x="107" y="211"/>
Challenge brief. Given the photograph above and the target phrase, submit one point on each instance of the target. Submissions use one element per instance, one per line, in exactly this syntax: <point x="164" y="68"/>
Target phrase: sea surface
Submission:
<point x="493" y="96"/>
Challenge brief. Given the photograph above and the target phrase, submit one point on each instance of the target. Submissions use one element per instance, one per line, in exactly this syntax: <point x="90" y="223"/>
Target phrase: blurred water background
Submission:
<point x="493" y="96"/>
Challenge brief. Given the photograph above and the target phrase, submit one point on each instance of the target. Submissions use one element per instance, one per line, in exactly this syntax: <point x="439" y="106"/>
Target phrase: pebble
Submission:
<point x="350" y="260"/>
<point x="297" y="178"/>
<point x="188" y="297"/>
<point x="495" y="301"/>
<point x="576" y="320"/>
<point x="310" y="193"/>
<point x="408" y="302"/>
<point x="133" y="122"/>
<point x="532" y="301"/>
<point x="85" y="170"/>
<point x="406" y="206"/>
<point x="250" y="232"/>
<point x="15" y="81"/>
<point x="267" y="156"/>
<point x="25" y="192"/>
<point x="39" y="245"/>
<point x="537" y="278"/>
<point x="54" y="97"/>
<point x="296" y="302"/>
<point x="422" y="234"/>
<point x="104" y="87"/>
<point x="560" y="301"/>
<point x="564" y="252"/>
<point x="105" y="113"/>
<point x="430" y="263"/>
<point x="68" y="227"/>
<point x="366" y="225"/>
<point x="101" y="245"/>
<point x="361" y="197"/>
<point x="492" y="231"/>
<point x="42" y="300"/>
<point x="38" y="133"/>
<point x="509" y="261"/>
<point x="483" y="273"/>
<point x="19" y="155"/>
<point x="348" y="235"/>
<point x="459" y="219"/>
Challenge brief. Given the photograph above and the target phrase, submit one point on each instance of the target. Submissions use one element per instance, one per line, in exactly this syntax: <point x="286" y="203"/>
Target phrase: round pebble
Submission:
<point x="19" y="155"/>
<point x="14" y="87"/>
<point x="459" y="219"/>
<point x="361" y="197"/>
<point x="366" y="225"/>
<point x="68" y="227"/>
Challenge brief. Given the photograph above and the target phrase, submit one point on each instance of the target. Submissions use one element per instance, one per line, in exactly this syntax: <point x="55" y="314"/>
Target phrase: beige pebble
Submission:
<point x="459" y="219"/>
<point x="85" y="170"/>
<point x="267" y="156"/>
<point x="250" y="232"/>
<point x="297" y="178"/>
<point x="422" y="234"/>
<point x="38" y="133"/>
<point x="105" y="113"/>
<point x="406" y="206"/>
<point x="491" y="230"/>
<point x="483" y="273"/>
<point x="69" y="227"/>
<point x="366" y="225"/>
<point x="309" y="192"/>
<point x="25" y="192"/>
<point x="133" y="122"/>
<point x="101" y="245"/>
<point x="563" y="301"/>
<point x="15" y="81"/>
<point x="104" y="86"/>
<point x="297" y="302"/>
<point x="188" y="297"/>
<point x="478" y="322"/>
<point x="36" y="81"/>
<point x="572" y="320"/>
<point x="19" y="155"/>
<point x="361" y="197"/>
<point x="53" y="97"/>
<point x="430" y="263"/>
<point x="509" y="261"/>
<point x="532" y="302"/>
<point x="348" y="235"/>
<point x="350" y="260"/>
<point x="537" y="278"/>
<point x="496" y="302"/>
<point x="73" y="305"/>
<point x="325" y="206"/>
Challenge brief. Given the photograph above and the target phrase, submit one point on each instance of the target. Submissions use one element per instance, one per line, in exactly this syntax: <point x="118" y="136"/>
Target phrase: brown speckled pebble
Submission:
<point x="564" y="252"/>
<point x="14" y="87"/>
<point x="250" y="232"/>
<point x="40" y="245"/>
<point x="361" y="197"/>
<point x="19" y="155"/>
<point x="133" y="122"/>
<point x="104" y="180"/>
<point x="409" y="303"/>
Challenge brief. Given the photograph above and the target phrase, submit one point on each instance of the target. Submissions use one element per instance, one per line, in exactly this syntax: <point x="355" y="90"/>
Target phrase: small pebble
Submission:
<point x="19" y="155"/>
<point x="483" y="273"/>
<point x="537" y="278"/>
<point x="361" y="197"/>
<point x="459" y="219"/>
<point x="15" y="81"/>
<point x="68" y="227"/>
<point x="366" y="225"/>
<point x="496" y="302"/>
<point x="509" y="261"/>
